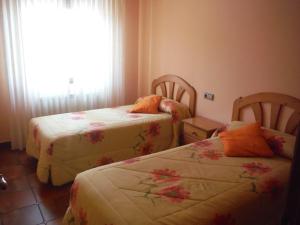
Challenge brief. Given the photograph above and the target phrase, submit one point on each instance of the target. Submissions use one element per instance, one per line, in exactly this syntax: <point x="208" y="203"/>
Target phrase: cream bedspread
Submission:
<point x="67" y="144"/>
<point x="190" y="185"/>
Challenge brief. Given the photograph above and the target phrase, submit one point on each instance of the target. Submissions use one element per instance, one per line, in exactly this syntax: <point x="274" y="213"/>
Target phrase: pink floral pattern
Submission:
<point x="165" y="175"/>
<point x="50" y="149"/>
<point x="272" y="187"/>
<point x="82" y="217"/>
<point x="73" y="194"/>
<point x="174" y="194"/>
<point x="202" y="144"/>
<point x="134" y="115"/>
<point x="175" y="116"/>
<point x="146" y="148"/>
<point x="154" y="129"/>
<point x="170" y="105"/>
<point x="256" y="168"/>
<point x="210" y="154"/>
<point x="95" y="136"/>
<point x="35" y="132"/>
<point x="132" y="160"/>
<point x="104" y="161"/>
<point x="177" y="110"/>
<point x="115" y="107"/>
<point x="36" y="137"/>
<point x="223" y="219"/>
<point x="77" y="115"/>
<point x="276" y="143"/>
<point x="96" y="125"/>
<point x="144" y="145"/>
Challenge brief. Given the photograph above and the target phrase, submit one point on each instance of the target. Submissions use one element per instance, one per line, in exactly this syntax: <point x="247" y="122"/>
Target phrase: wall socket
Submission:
<point x="209" y="96"/>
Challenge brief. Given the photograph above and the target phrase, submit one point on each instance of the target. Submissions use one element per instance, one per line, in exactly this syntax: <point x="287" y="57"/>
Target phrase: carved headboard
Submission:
<point x="183" y="87"/>
<point x="277" y="101"/>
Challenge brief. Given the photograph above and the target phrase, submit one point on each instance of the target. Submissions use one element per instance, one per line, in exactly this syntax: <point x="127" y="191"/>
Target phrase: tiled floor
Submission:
<point x="27" y="201"/>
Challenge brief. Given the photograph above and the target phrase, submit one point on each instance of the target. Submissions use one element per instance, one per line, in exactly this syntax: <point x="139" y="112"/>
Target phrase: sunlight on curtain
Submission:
<point x="61" y="56"/>
<point x="52" y="40"/>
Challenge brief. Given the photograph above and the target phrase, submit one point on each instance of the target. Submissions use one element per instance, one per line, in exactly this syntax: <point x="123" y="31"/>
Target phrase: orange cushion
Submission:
<point x="245" y="141"/>
<point x="148" y="104"/>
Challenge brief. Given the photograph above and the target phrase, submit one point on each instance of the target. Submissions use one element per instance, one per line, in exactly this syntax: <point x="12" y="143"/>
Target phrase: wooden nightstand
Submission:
<point x="198" y="128"/>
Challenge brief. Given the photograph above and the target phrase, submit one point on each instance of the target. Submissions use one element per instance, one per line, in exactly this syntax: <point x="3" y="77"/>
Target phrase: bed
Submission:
<point x="191" y="185"/>
<point x="67" y="144"/>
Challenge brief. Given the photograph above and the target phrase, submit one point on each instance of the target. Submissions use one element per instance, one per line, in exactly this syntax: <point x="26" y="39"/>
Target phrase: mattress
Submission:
<point x="66" y="144"/>
<point x="189" y="185"/>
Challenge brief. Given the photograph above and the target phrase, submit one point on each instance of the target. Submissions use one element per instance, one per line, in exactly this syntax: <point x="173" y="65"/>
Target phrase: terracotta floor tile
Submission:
<point x="14" y="200"/>
<point x="28" y="162"/>
<point x="13" y="172"/>
<point x="30" y="170"/>
<point x="8" y="158"/>
<point x="25" y="216"/>
<point x="27" y="201"/>
<point x="18" y="184"/>
<point x="25" y="159"/>
<point x="33" y="181"/>
<point x="47" y="192"/>
<point x="54" y="208"/>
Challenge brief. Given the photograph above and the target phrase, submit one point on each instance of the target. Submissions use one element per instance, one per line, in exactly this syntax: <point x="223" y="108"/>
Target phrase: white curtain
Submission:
<point x="61" y="56"/>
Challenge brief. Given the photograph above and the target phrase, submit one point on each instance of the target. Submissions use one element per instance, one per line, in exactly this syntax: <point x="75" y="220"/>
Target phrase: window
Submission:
<point x="61" y="56"/>
<point x="67" y="49"/>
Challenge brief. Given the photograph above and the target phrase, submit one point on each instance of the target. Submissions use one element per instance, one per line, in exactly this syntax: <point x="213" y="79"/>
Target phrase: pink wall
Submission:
<point x="230" y="50"/>
<point x="131" y="50"/>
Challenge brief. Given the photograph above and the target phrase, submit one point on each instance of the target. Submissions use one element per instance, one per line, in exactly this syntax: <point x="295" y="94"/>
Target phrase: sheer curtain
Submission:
<point x="61" y="56"/>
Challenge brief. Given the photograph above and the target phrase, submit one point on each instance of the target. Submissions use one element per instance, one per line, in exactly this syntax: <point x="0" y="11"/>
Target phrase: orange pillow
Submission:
<point x="148" y="104"/>
<point x="245" y="141"/>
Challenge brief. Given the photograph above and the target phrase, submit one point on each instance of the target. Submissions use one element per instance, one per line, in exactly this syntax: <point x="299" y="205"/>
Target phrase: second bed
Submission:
<point x="66" y="144"/>
<point x="194" y="184"/>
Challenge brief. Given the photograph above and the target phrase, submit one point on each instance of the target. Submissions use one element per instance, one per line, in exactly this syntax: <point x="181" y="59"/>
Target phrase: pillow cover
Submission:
<point x="247" y="141"/>
<point x="280" y="143"/>
<point x="176" y="109"/>
<point x="148" y="104"/>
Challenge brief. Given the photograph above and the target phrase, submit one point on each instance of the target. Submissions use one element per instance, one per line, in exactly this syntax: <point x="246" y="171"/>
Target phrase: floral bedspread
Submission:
<point x="189" y="185"/>
<point x="67" y="144"/>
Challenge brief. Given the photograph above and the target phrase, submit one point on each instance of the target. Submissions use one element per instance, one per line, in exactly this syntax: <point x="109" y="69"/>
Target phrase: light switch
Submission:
<point x="209" y="96"/>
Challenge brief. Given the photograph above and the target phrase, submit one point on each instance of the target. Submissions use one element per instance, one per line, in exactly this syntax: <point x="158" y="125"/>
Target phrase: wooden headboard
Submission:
<point x="183" y="87"/>
<point x="277" y="101"/>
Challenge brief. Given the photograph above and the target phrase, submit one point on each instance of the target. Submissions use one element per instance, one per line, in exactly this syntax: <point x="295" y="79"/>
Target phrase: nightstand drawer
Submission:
<point x="194" y="132"/>
<point x="188" y="139"/>
<point x="198" y="128"/>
